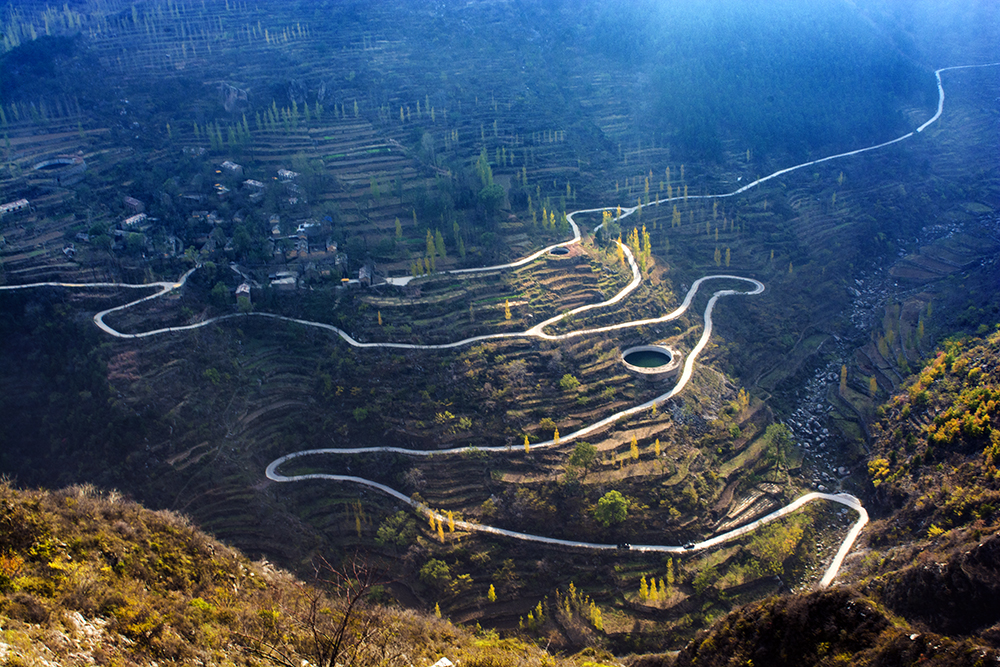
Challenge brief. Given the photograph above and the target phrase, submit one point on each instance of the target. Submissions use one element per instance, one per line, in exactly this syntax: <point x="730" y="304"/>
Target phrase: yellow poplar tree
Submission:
<point x="440" y="529"/>
<point x="451" y="521"/>
<point x="727" y="258"/>
<point x="555" y="436"/>
<point x="527" y="447"/>
<point x="656" y="447"/>
<point x="634" y="449"/>
<point x="506" y="310"/>
<point x="718" y="256"/>
<point x="491" y="594"/>
<point x="643" y="588"/>
<point x="595" y="617"/>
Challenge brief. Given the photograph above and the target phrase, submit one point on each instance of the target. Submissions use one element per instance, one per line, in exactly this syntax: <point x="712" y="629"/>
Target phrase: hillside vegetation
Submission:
<point x="281" y="151"/>
<point x="91" y="578"/>
<point x="90" y="574"/>
<point x="926" y="590"/>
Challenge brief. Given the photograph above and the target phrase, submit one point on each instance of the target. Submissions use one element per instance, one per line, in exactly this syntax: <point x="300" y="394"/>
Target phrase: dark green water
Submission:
<point x="647" y="359"/>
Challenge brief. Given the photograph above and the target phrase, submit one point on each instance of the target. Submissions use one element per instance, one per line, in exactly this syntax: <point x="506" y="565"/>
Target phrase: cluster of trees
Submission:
<point x="638" y="243"/>
<point x="960" y="388"/>
<point x="566" y="610"/>
<point x="650" y="591"/>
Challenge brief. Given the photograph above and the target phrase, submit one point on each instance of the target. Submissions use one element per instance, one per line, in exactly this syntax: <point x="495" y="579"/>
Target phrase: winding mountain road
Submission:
<point x="538" y="331"/>
<point x="831" y="571"/>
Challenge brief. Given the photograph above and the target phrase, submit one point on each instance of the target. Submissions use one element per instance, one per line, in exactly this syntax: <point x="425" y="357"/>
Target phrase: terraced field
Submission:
<point x="387" y="137"/>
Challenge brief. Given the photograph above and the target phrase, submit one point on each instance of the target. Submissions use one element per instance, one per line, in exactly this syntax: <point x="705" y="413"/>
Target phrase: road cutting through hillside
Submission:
<point x="538" y="331"/>
<point x="828" y="576"/>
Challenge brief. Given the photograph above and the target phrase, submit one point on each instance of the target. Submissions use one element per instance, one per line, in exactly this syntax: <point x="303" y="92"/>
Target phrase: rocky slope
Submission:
<point x="923" y="586"/>
<point x="88" y="578"/>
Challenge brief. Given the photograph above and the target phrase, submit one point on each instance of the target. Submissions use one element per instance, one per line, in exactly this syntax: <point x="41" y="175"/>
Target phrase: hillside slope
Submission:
<point x="88" y="578"/>
<point x="924" y="589"/>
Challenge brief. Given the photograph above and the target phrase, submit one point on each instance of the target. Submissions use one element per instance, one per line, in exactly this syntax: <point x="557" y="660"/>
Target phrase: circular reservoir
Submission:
<point x="559" y="251"/>
<point x="653" y="362"/>
<point x="52" y="165"/>
<point x="57" y="163"/>
<point x="648" y="358"/>
<point x="61" y="170"/>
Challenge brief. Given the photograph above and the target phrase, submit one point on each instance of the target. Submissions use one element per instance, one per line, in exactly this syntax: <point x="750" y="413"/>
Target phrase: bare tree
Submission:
<point x="327" y="623"/>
